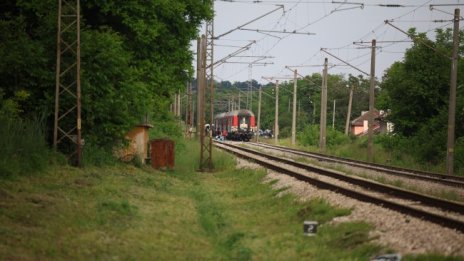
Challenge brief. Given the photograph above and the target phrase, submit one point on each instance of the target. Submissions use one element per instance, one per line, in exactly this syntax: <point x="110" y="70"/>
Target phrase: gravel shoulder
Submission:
<point x="404" y="234"/>
<point x="424" y="187"/>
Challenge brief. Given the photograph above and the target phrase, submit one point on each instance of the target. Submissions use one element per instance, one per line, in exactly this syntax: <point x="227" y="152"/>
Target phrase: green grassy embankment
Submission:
<point x="128" y="213"/>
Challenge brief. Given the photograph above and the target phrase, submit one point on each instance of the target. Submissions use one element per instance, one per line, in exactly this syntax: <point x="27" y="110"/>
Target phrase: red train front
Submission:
<point x="236" y="125"/>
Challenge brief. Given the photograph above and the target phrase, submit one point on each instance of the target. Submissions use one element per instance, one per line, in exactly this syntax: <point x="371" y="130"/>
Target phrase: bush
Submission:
<point x="459" y="156"/>
<point x="335" y="137"/>
<point x="168" y="128"/>
<point x="310" y="136"/>
<point x="388" y="142"/>
<point x="23" y="149"/>
<point x="94" y="155"/>
<point x="285" y="132"/>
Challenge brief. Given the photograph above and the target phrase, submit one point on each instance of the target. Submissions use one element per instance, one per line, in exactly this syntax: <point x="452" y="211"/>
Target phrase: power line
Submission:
<point x="354" y="67"/>
<point x="414" y="38"/>
<point x="249" y="22"/>
<point x="279" y="32"/>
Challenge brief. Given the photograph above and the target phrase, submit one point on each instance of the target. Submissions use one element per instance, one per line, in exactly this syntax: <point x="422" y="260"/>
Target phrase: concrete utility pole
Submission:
<point x="250" y="88"/>
<point x="348" y="114"/>
<point x="189" y="109"/>
<point x="201" y="98"/>
<point x="323" y="121"/>
<point x="259" y="113"/>
<point x="176" y="104"/>
<point x="370" y="131"/>
<point x="68" y="122"/>
<point x="452" y="98"/>
<point x="193" y="112"/>
<point x="294" y="107"/>
<point x="276" y="123"/>
<point x="239" y="99"/>
<point x="314" y="112"/>
<point x="179" y="104"/>
<point x="199" y="82"/>
<point x="333" y="115"/>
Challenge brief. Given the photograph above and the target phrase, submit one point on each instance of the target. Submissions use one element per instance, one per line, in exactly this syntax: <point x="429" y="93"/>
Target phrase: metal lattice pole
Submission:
<point x="67" y="128"/>
<point x="206" y="159"/>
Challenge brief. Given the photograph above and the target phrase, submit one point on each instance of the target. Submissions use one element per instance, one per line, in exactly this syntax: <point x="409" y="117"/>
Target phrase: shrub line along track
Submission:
<point x="445" y="205"/>
<point x="455" y="181"/>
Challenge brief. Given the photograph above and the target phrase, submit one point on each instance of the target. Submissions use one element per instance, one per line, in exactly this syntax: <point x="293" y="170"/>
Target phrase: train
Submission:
<point x="239" y="125"/>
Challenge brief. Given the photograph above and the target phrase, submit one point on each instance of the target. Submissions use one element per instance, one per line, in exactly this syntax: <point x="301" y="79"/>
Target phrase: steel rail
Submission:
<point x="416" y="212"/>
<point x="455" y="181"/>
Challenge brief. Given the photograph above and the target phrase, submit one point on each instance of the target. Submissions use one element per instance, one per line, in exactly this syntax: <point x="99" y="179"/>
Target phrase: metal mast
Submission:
<point x="452" y="97"/>
<point x="323" y="120"/>
<point x="67" y="127"/>
<point x="250" y="88"/>
<point x="370" y="130"/>
<point x="206" y="159"/>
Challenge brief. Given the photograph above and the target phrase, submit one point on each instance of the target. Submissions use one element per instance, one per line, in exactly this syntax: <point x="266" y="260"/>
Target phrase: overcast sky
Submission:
<point x="334" y="25"/>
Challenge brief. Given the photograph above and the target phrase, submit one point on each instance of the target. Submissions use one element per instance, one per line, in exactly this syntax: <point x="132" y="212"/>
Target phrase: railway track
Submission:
<point x="455" y="181"/>
<point x="443" y="212"/>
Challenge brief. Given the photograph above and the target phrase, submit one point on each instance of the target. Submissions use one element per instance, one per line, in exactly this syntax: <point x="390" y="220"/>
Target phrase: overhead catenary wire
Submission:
<point x="416" y="39"/>
<point x="267" y="44"/>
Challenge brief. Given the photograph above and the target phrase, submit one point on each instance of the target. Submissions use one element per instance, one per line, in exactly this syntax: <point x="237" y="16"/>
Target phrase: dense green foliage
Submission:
<point x="134" y="56"/>
<point x="416" y="91"/>
<point x="310" y="136"/>
<point x="22" y="148"/>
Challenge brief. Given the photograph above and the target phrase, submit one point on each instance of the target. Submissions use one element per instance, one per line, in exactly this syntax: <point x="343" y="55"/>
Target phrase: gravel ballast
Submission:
<point x="404" y="234"/>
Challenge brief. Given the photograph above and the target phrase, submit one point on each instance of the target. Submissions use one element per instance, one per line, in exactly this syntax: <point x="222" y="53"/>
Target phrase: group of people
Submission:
<point x="220" y="135"/>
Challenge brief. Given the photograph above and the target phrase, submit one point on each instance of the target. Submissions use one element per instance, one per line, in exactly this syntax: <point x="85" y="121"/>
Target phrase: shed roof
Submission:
<point x="365" y="116"/>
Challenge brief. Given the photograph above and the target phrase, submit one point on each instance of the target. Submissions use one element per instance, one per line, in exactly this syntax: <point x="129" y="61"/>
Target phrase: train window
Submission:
<point x="244" y="123"/>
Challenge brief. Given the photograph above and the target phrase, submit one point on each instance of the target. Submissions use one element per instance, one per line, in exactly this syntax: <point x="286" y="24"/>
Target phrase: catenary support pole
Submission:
<point x="239" y="99"/>
<point x="276" y="119"/>
<point x="323" y="120"/>
<point x="259" y="114"/>
<point x="452" y="97"/>
<point x="333" y="114"/>
<point x="67" y="133"/>
<point x="348" y="114"/>
<point x="295" y="74"/>
<point x="370" y="130"/>
<point x="201" y="101"/>
<point x="199" y="83"/>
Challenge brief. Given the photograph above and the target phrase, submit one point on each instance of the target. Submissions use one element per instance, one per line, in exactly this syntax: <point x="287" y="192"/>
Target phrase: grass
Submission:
<point x="357" y="150"/>
<point x="128" y="213"/>
<point x="23" y="150"/>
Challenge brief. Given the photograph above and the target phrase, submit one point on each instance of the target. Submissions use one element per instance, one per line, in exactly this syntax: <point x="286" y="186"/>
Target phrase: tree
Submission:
<point x="416" y="91"/>
<point x="135" y="55"/>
